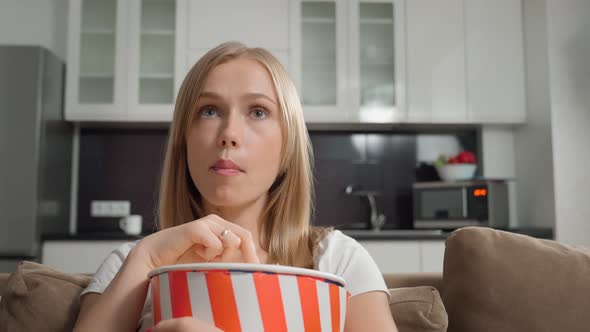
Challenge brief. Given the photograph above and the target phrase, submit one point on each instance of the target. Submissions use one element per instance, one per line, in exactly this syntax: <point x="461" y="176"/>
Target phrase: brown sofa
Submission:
<point x="492" y="281"/>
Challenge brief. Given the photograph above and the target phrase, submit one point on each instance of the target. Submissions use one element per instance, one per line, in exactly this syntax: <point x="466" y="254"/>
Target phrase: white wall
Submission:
<point x="568" y="39"/>
<point x="35" y="22"/>
<point x="533" y="153"/>
<point x="498" y="151"/>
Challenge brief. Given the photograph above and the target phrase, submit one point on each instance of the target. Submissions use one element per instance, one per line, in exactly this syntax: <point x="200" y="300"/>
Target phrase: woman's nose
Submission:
<point x="227" y="142"/>
<point x="230" y="136"/>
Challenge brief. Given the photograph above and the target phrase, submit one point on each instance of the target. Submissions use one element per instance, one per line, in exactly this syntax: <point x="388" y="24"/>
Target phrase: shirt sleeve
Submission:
<point x="108" y="269"/>
<point x="343" y="256"/>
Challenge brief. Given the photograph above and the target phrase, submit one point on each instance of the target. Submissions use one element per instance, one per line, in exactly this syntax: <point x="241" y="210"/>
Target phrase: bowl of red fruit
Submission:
<point x="460" y="167"/>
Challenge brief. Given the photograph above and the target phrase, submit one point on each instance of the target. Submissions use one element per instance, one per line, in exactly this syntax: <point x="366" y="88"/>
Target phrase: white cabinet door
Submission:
<point x="96" y="85"/>
<point x="348" y="59"/>
<point x="432" y="253"/>
<point x="395" y="256"/>
<point x="318" y="57"/>
<point x="263" y="23"/>
<point x="124" y="59"/>
<point x="77" y="256"/>
<point x="495" y="61"/>
<point x="156" y="52"/>
<point x="436" y="61"/>
<point x="377" y="60"/>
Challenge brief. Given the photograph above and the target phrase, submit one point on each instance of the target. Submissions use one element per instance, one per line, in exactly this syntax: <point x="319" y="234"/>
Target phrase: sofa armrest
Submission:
<point x="399" y="280"/>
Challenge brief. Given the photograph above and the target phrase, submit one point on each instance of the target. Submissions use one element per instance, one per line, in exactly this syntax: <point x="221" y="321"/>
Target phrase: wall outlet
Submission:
<point x="110" y="208"/>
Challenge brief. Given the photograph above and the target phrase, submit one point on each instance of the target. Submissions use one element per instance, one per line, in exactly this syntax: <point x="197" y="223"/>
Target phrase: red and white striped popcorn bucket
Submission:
<point x="250" y="297"/>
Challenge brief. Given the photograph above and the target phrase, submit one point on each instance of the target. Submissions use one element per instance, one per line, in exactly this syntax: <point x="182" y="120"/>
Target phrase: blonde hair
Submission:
<point x="287" y="232"/>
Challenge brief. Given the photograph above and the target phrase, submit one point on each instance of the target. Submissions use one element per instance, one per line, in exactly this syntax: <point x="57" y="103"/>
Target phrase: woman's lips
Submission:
<point x="225" y="171"/>
<point x="226" y="167"/>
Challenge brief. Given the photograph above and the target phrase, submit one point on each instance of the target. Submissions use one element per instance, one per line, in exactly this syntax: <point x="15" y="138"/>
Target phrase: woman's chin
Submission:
<point x="225" y="200"/>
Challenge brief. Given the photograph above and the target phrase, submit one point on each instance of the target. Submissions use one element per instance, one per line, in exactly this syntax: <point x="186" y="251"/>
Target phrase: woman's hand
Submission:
<point x="210" y="238"/>
<point x="188" y="324"/>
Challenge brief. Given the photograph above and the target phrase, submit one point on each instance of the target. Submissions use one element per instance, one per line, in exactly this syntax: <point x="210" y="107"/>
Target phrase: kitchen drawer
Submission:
<point x="77" y="256"/>
<point x="395" y="256"/>
<point x="433" y="254"/>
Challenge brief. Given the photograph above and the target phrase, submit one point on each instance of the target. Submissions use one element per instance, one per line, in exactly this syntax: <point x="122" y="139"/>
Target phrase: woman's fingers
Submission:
<point x="199" y="241"/>
<point x="231" y="247"/>
<point x="230" y="240"/>
<point x="247" y="247"/>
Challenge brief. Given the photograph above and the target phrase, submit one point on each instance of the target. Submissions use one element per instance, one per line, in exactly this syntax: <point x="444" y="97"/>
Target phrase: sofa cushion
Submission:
<point x="39" y="298"/>
<point x="500" y="281"/>
<point x="418" y="309"/>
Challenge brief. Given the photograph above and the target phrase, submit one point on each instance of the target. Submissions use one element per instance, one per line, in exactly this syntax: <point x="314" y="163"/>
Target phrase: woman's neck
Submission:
<point x="248" y="216"/>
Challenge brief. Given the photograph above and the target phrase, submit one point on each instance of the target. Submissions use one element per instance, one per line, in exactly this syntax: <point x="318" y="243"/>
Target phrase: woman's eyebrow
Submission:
<point x="250" y="95"/>
<point x="253" y="95"/>
<point x="208" y="94"/>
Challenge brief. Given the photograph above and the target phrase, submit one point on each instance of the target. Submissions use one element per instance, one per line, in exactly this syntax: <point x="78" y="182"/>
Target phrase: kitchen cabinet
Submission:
<point x="374" y="61"/>
<point x="123" y="59"/>
<point x="436" y="61"/>
<point x="96" y="76"/>
<point x="210" y="23"/>
<point x="77" y="256"/>
<point x="261" y="23"/>
<point x="157" y="44"/>
<point x="319" y="54"/>
<point x="465" y="61"/>
<point x="407" y="256"/>
<point x="432" y="255"/>
<point x="347" y="59"/>
<point x="495" y="61"/>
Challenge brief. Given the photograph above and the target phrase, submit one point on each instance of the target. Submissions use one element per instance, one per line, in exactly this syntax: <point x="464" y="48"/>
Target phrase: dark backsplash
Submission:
<point x="119" y="164"/>
<point x="125" y="164"/>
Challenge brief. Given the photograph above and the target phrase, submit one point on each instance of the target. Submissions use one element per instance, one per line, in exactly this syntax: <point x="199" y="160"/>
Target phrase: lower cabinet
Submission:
<point x="77" y="256"/>
<point x="432" y="256"/>
<point x="392" y="256"/>
<point x="407" y="256"/>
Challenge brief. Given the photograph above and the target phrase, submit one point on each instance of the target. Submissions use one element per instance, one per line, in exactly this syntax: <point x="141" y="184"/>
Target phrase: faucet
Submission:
<point x="377" y="220"/>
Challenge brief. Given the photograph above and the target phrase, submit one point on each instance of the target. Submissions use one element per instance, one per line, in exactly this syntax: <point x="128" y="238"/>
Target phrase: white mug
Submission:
<point x="131" y="224"/>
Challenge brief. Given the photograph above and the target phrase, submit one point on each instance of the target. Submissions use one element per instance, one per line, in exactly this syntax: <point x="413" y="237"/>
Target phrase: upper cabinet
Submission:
<point x="366" y="61"/>
<point x="122" y="59"/>
<point x="377" y="60"/>
<point x="156" y="43"/>
<point x="436" y="61"/>
<point x="347" y="59"/>
<point x="465" y="61"/>
<point x="495" y="61"/>
<point x="319" y="54"/>
<point x="96" y="75"/>
<point x="253" y="22"/>
<point x="256" y="23"/>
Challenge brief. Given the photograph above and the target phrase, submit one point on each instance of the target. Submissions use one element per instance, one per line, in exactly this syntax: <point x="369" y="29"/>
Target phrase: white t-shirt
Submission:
<point x="337" y="254"/>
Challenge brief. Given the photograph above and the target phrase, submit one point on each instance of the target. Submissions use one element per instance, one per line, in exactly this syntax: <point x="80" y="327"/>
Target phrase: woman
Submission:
<point x="236" y="187"/>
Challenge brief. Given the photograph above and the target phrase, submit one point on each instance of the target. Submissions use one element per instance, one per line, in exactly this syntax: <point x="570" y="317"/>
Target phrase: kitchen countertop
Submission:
<point x="387" y="234"/>
<point x="95" y="236"/>
<point x="419" y="234"/>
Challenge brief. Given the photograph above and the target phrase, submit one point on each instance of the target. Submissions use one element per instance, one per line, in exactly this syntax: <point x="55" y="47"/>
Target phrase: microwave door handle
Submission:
<point x="464" y="195"/>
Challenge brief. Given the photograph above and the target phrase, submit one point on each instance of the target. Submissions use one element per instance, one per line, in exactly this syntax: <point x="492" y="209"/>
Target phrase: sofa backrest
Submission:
<point x="399" y="280"/>
<point x="3" y="280"/>
<point x="501" y="281"/>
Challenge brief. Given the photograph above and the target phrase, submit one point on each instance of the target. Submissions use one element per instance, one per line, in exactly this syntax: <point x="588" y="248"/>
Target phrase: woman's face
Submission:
<point x="234" y="143"/>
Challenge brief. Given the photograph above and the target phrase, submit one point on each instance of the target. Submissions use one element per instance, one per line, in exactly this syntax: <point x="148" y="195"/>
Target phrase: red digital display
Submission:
<point x="482" y="192"/>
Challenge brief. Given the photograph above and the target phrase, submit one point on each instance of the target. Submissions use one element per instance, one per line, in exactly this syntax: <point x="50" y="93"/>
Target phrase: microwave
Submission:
<point x="451" y="205"/>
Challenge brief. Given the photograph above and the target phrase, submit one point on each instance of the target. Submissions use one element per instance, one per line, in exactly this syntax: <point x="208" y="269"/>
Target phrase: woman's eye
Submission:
<point x="208" y="112"/>
<point x="259" y="113"/>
